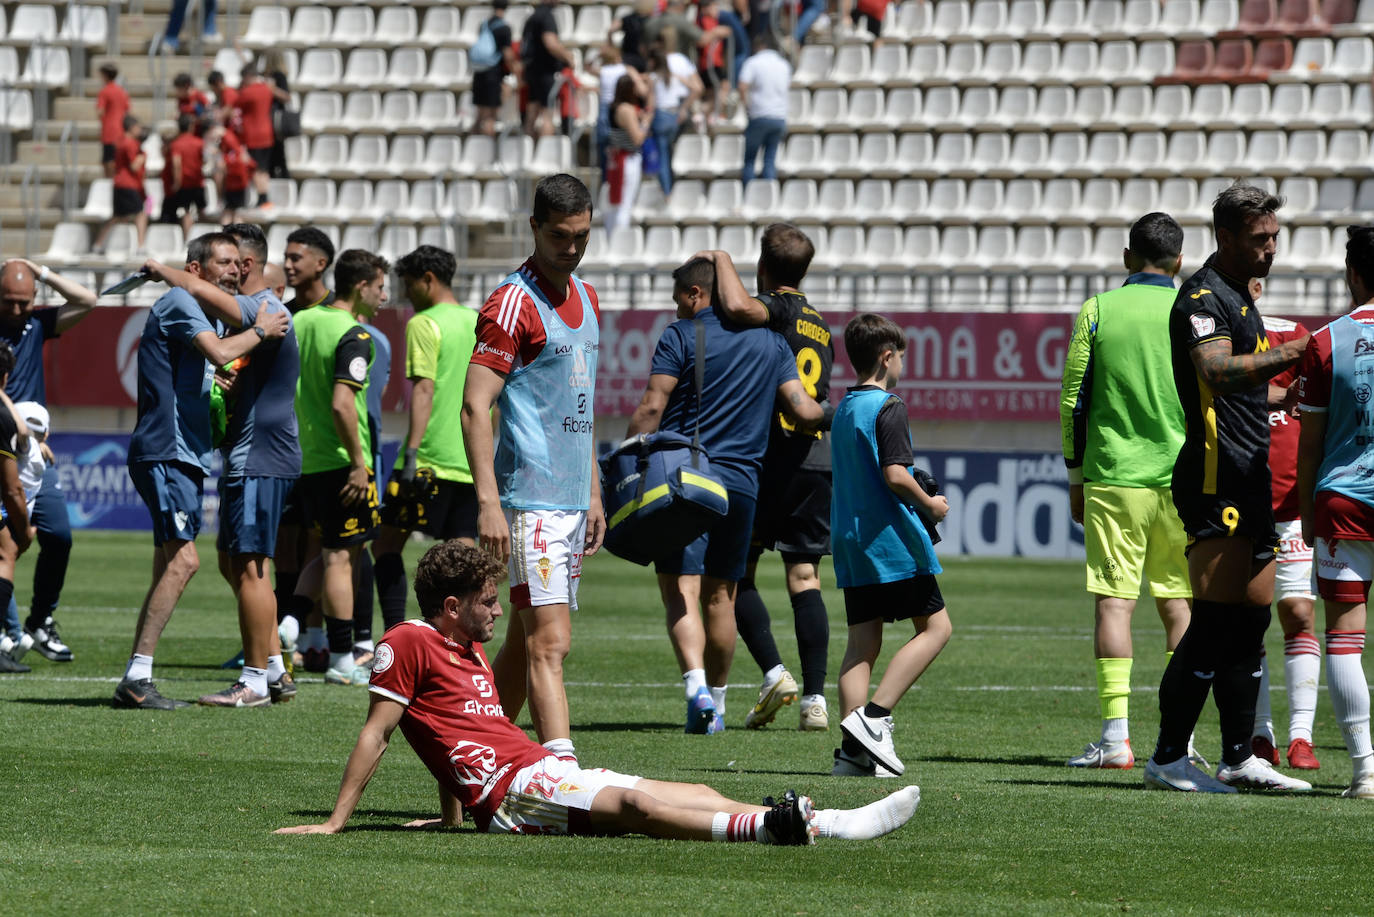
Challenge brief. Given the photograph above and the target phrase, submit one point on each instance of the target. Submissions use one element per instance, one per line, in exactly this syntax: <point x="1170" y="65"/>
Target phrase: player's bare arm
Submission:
<point x="480" y="391"/>
<point x="596" y="515"/>
<point x="1225" y="371"/>
<point x="220" y="351"/>
<point x="649" y="414"/>
<point x="1311" y="451"/>
<point x="343" y="409"/>
<point x="421" y="406"/>
<point x="735" y="301"/>
<point x="79" y="299"/>
<point x="216" y="302"/>
<point x="800" y="408"/>
<point x="900" y="481"/>
<point x="383" y="716"/>
<point x="16" y="509"/>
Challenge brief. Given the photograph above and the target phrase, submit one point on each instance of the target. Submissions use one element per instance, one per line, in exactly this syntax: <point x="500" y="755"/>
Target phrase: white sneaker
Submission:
<point x="875" y="735"/>
<point x="773" y="696"/>
<point x="1183" y="776"/>
<point x="344" y="676"/>
<point x="1255" y="774"/>
<point x="1362" y="787"/>
<point x="814" y="717"/>
<point x="1110" y="755"/>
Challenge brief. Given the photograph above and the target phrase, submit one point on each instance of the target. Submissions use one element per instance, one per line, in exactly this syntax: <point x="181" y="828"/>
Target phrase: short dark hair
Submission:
<point x="1359" y="252"/>
<point x="1241" y="203"/>
<point x="866" y="337"/>
<point x="182" y="81"/>
<point x="451" y="568"/>
<point x="315" y="238"/>
<point x="561" y="193"/>
<point x="7" y="359"/>
<point x="785" y="253"/>
<point x="697" y="272"/>
<point x="130" y="122"/>
<point x="247" y="71"/>
<point x="199" y="248"/>
<point x="185" y="122"/>
<point x="1157" y="239"/>
<point x="357" y="266"/>
<point x="428" y="259"/>
<point x="500" y="4"/>
<point x="214" y="76"/>
<point x="109" y="71"/>
<point x="251" y="239"/>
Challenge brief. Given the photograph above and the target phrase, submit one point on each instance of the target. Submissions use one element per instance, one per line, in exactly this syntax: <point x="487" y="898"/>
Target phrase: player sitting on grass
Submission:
<point x="884" y="558"/>
<point x="431" y="677"/>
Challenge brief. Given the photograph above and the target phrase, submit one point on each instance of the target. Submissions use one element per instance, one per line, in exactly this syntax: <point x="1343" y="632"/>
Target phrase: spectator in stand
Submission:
<point x="609" y="68"/>
<point x="715" y="76"/>
<point x="111" y="105"/>
<point x="760" y="18"/>
<point x="487" y="81"/>
<point x="273" y="67"/>
<point x="190" y="100"/>
<point x="624" y="163"/>
<point x="255" y="105"/>
<point x="129" y="197"/>
<point x="226" y="96"/>
<point x="687" y="38"/>
<point x="183" y="176"/>
<point x="233" y="171"/>
<point x="676" y="88"/>
<point x="810" y="11"/>
<point x="631" y="27"/>
<point x="178" y="16"/>
<point x="763" y="84"/>
<point x="870" y="13"/>
<point x="543" y="57"/>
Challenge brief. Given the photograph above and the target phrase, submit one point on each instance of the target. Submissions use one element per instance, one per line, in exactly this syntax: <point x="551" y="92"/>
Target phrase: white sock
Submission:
<point x="693" y="680"/>
<point x="275" y="668"/>
<point x="1264" y="717"/>
<point x="1302" y="666"/>
<point x="255" y="679"/>
<point x="1364" y="766"/>
<point x="873" y="820"/>
<point x="1116" y="730"/>
<point x="1349" y="689"/>
<point x="341" y="661"/>
<point x="314" y="638"/>
<point x="812" y="699"/>
<point x="773" y="674"/>
<point x="289" y="630"/>
<point x="140" y="667"/>
<point x="562" y="748"/>
<point x="365" y="646"/>
<point x="718" y="697"/>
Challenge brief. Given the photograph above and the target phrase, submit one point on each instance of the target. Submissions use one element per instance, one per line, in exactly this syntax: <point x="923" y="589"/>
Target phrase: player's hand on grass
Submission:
<point x="325" y="828"/>
<point x="273" y="324"/>
<point x="423" y="823"/>
<point x="596" y="528"/>
<point x="493" y="532"/>
<point x="355" y="488"/>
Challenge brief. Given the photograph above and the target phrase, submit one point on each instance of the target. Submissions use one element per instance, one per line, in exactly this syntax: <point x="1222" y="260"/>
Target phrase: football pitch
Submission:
<point x="121" y="812"/>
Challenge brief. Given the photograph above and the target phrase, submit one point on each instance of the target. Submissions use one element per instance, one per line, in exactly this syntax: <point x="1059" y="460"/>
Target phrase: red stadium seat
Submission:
<point x="1272" y="56"/>
<point x="1193" y="62"/>
<point x="1234" y="61"/>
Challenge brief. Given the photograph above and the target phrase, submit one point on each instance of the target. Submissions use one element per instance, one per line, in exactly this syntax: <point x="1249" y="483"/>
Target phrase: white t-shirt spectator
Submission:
<point x="668" y="96"/>
<point x="610" y="75"/>
<point x="768" y="76"/>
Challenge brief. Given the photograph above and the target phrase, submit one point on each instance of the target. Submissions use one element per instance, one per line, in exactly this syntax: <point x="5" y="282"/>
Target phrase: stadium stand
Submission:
<point x="980" y="134"/>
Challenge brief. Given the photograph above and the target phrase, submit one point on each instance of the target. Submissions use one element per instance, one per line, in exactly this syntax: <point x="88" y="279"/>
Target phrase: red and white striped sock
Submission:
<point x="1302" y="666"/>
<point x="1349" y="688"/>
<point x="727" y="827"/>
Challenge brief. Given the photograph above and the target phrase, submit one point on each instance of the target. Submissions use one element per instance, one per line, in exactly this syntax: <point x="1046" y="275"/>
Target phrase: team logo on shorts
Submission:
<point x="383" y="659"/>
<point x="1203" y="324"/>
<point x="543" y="567"/>
<point x="1111" y="571"/>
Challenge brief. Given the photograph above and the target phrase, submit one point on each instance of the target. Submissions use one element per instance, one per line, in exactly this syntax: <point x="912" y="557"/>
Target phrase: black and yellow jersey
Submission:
<point x="808" y="335"/>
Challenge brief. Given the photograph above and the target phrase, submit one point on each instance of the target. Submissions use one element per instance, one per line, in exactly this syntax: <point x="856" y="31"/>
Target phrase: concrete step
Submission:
<point x="73" y="108"/>
<point x="50" y="153"/>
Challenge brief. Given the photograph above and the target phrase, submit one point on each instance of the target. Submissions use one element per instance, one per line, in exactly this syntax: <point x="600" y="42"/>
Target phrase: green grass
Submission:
<point x="128" y="812"/>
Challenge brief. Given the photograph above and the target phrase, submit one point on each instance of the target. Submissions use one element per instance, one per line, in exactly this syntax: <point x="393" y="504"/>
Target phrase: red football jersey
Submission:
<point x="1283" y="428"/>
<point x="255" y="105"/>
<point x="453" y="717"/>
<point x="509" y="331"/>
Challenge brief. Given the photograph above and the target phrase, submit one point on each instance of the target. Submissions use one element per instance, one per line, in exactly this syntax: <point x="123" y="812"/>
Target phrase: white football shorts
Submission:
<point x="546" y="548"/>
<point x="1293" y="576"/>
<point x="554" y="796"/>
<point x="1344" y="569"/>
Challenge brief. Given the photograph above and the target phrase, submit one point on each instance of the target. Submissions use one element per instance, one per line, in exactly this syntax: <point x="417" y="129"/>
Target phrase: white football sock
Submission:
<point x="1349" y="689"/>
<point x="1302" y="666"/>
<point x="1116" y="731"/>
<point x="693" y="680"/>
<point x="275" y="668"/>
<point x="343" y="662"/>
<point x="873" y="820"/>
<point x="811" y="699"/>
<point x="365" y="646"/>
<point x="140" y="667"/>
<point x="256" y="679"/>
<point x="718" y="696"/>
<point x="562" y="748"/>
<point x="1264" y="716"/>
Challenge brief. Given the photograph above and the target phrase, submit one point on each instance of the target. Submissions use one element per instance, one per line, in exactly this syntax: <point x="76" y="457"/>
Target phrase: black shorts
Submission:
<point x="793" y="513"/>
<point x="486" y="87"/>
<point x="263" y="158"/>
<point x="1215" y="516"/>
<point x="184" y="199"/>
<point x="236" y="200"/>
<point x="449" y="512"/>
<point x="340" y="526"/>
<point x="717" y="76"/>
<point x="107" y="153"/>
<point x="917" y="597"/>
<point x="538" y="86"/>
<point x="875" y="26"/>
<point x="128" y="202"/>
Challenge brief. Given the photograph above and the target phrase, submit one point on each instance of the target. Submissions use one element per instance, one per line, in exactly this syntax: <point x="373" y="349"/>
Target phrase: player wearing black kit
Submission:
<point x="793" y="514"/>
<point x="1221" y="488"/>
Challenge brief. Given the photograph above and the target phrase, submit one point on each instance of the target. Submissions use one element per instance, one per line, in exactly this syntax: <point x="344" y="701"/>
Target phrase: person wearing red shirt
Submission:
<point x="431" y="678"/>
<point x="233" y="171"/>
<point x="254" y="101"/>
<point x="129" y="197"/>
<point x="1336" y="497"/>
<point x="226" y="96"/>
<point x="190" y="100"/>
<point x="111" y="105"/>
<point x="183" y="177"/>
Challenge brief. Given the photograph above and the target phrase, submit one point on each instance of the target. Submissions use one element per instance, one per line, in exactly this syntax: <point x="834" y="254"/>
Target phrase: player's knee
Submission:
<point x="548" y="650"/>
<point x="638" y="807"/>
<point x="938" y="628"/>
<point x="185" y="562"/>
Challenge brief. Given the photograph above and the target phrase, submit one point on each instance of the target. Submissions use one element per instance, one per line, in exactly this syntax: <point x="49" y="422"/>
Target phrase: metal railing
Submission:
<point x="30" y="190"/>
<point x="67" y="149"/>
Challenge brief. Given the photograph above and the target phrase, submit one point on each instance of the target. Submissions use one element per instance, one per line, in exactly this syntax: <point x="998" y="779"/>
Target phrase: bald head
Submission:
<point x="17" y="288"/>
<point x="275" y="278"/>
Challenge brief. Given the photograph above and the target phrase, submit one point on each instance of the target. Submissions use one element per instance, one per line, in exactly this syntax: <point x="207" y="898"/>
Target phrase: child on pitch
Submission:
<point x="884" y="558"/>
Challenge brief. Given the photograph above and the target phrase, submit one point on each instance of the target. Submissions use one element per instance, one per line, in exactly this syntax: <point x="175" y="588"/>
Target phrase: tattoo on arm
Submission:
<point x="794" y="398"/>
<point x="1224" y="371"/>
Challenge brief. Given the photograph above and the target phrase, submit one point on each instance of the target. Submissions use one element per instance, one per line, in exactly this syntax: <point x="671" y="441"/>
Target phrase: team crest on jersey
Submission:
<point x="1363" y="345"/>
<point x="472" y="762"/>
<point x="453" y="659"/>
<point x="543" y="567"/>
<point x="1203" y="324"/>
<point x="1362" y="393"/>
<point x="383" y="659"/>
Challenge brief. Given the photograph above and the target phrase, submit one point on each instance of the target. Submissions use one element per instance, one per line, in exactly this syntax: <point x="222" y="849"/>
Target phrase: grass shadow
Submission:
<point x="102" y="701"/>
<point x="622" y="727"/>
<point x="1018" y="760"/>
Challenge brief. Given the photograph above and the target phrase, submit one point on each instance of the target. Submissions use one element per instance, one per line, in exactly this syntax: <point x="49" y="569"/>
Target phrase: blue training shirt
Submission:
<point x="377" y="379"/>
<point x="26" y="381"/>
<point x="744" y="367"/>
<point x="173" y="385"/>
<point x="261" y="439"/>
